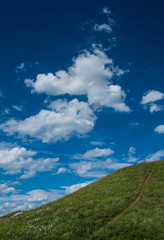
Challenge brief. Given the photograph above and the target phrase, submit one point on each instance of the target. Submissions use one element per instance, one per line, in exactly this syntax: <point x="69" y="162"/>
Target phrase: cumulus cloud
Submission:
<point x="152" y="96"/>
<point x="97" y="152"/>
<point x="19" y="160"/>
<point x="37" y="195"/>
<point x="91" y="74"/>
<point x="29" y="200"/>
<point x="96" y="168"/>
<point x="66" y="119"/>
<point x="62" y="170"/>
<point x="156" y="108"/>
<point x="149" y="98"/>
<point x="94" y="153"/>
<point x="159" y="129"/>
<point x="5" y="189"/>
<point x="76" y="187"/>
<point x="155" y="156"/>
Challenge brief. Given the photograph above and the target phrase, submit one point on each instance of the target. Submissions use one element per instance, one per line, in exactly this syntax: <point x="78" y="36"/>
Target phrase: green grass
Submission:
<point x="85" y="214"/>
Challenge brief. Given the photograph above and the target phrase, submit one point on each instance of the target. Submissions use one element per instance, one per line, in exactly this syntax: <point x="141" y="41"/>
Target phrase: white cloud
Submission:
<point x="94" y="153"/>
<point x="132" y="150"/>
<point x="37" y="195"/>
<point x="155" y="156"/>
<point x="156" y="108"/>
<point x="17" y="108"/>
<point x="107" y="11"/>
<point x="5" y="189"/>
<point x="106" y="27"/>
<point x="91" y="74"/>
<point x="96" y="168"/>
<point x="67" y="119"/>
<point x="62" y="170"/>
<point x="133" y="124"/>
<point x="97" y="143"/>
<point x="103" y="27"/>
<point x="29" y="200"/>
<point x="21" y="67"/>
<point x="97" y="152"/>
<point x="159" y="129"/>
<point x="131" y="155"/>
<point x="24" y="66"/>
<point x="76" y="187"/>
<point x="19" y="161"/>
<point x="116" y="166"/>
<point x="152" y="96"/>
<point x="132" y="158"/>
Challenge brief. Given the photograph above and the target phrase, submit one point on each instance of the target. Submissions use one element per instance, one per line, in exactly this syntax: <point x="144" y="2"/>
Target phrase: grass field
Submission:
<point x="125" y="205"/>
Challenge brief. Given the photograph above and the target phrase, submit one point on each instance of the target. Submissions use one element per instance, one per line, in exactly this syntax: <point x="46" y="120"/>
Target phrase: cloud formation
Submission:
<point x="131" y="155"/>
<point x="150" y="97"/>
<point x="91" y="74"/>
<point x="5" y="189"/>
<point x="102" y="27"/>
<point x="65" y="120"/>
<point x="76" y="187"/>
<point x="97" y="168"/>
<point x="156" y="108"/>
<point x="105" y="27"/>
<point x="29" y="200"/>
<point x="159" y="129"/>
<point x="62" y="170"/>
<point x="155" y="156"/>
<point x="97" y="152"/>
<point x="19" y="160"/>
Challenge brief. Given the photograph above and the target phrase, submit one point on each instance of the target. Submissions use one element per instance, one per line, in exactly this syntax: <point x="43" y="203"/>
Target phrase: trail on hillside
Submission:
<point x="132" y="204"/>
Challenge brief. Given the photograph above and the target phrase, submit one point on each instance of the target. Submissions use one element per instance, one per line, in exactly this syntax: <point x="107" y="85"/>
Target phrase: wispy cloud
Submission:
<point x="155" y="156"/>
<point x="133" y="124"/>
<point x="102" y="27"/>
<point x="24" y="66"/>
<point x="105" y="27"/>
<point x="17" y="108"/>
<point x="131" y="155"/>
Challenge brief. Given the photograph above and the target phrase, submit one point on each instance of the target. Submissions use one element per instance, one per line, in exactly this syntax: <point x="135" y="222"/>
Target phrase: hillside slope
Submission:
<point x="127" y="204"/>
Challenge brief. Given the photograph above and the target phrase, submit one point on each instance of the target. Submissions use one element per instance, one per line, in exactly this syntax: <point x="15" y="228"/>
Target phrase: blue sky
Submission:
<point x="81" y="94"/>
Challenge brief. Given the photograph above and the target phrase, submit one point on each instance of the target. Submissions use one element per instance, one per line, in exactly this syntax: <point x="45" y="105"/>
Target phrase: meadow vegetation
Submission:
<point x="88" y="212"/>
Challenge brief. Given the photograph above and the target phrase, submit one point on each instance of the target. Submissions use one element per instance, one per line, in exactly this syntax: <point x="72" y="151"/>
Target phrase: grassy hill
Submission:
<point x="127" y="204"/>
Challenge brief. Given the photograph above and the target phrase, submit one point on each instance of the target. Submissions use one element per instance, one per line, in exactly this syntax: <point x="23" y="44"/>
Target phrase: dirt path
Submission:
<point x="132" y="204"/>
